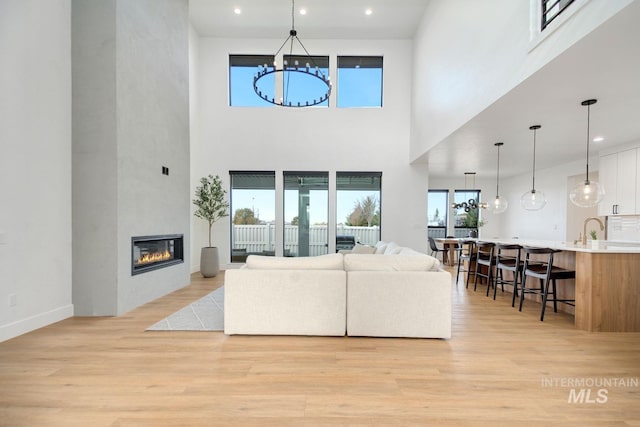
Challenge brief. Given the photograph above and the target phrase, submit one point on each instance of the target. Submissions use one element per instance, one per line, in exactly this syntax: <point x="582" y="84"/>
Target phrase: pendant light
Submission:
<point x="500" y="204"/>
<point x="589" y="193"/>
<point x="471" y="203"/>
<point x="533" y="200"/>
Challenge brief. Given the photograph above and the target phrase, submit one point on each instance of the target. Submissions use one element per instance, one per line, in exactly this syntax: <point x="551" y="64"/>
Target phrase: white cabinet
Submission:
<point x="619" y="178"/>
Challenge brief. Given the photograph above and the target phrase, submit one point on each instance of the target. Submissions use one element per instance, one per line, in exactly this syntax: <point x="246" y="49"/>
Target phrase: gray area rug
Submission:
<point x="205" y="314"/>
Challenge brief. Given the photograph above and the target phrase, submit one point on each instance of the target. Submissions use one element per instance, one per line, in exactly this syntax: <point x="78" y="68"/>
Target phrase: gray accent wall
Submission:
<point x="130" y="71"/>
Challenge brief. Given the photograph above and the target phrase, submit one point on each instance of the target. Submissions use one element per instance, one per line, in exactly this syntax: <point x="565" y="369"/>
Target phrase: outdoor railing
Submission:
<point x="261" y="238"/>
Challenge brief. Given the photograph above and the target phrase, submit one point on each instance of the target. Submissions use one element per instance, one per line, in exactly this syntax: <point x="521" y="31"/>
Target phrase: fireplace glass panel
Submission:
<point x="153" y="252"/>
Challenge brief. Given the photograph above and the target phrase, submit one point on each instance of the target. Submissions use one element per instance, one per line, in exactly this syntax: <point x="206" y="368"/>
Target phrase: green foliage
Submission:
<point x="593" y="234"/>
<point x="471" y="219"/>
<point x="210" y="201"/>
<point x="245" y="216"/>
<point x="366" y="213"/>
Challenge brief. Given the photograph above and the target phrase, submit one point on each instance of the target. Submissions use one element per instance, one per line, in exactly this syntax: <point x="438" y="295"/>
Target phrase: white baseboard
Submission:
<point x="32" y="323"/>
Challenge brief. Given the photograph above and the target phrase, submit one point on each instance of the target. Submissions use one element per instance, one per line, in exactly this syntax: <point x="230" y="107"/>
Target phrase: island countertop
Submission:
<point x="602" y="246"/>
<point x="607" y="281"/>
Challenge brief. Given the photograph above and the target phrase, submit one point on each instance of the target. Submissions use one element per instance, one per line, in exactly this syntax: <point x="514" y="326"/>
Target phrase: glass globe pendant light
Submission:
<point x="533" y="200"/>
<point x="589" y="193"/>
<point x="499" y="204"/>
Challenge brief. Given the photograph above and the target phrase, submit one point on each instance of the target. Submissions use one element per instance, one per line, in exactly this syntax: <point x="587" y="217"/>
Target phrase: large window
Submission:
<point x="306" y="211"/>
<point x="253" y="215"/>
<point x="242" y="69"/>
<point x="467" y="218"/>
<point x="297" y="88"/>
<point x="359" y="81"/>
<point x="437" y="208"/>
<point x="357" y="208"/>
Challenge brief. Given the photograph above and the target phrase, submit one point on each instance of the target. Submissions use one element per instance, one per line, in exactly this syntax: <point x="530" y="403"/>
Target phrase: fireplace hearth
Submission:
<point x="153" y="252"/>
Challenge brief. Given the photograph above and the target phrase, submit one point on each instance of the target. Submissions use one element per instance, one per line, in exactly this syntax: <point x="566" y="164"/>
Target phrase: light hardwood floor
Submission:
<point x="110" y="372"/>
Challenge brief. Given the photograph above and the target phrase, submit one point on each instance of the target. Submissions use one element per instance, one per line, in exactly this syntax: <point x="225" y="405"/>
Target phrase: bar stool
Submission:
<point x="547" y="273"/>
<point x="485" y="258"/>
<point x="508" y="262"/>
<point x="466" y="253"/>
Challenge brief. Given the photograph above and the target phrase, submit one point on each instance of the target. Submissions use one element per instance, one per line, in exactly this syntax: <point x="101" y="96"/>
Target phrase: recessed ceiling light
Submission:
<point x="237" y="11"/>
<point x="598" y="139"/>
<point x="368" y="12"/>
<point x="303" y="11"/>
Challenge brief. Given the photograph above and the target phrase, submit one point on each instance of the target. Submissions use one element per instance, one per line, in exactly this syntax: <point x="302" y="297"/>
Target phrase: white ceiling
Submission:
<point x="603" y="65"/>
<point x="325" y="19"/>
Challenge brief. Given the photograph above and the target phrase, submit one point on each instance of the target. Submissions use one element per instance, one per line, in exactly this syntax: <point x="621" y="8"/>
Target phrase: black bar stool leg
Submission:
<point x="544" y="299"/>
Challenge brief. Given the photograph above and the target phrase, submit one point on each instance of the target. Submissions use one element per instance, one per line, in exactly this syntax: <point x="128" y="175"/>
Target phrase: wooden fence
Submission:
<point x="262" y="238"/>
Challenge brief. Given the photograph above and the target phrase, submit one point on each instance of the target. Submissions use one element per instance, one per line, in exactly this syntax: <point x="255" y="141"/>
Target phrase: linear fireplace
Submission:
<point x="153" y="252"/>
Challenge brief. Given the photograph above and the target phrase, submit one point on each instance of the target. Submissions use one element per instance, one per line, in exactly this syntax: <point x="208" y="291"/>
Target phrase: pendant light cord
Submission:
<point x="533" y="174"/>
<point x="588" y="125"/>
<point x="498" y="144"/>
<point x="498" y="176"/>
<point x="534" y="128"/>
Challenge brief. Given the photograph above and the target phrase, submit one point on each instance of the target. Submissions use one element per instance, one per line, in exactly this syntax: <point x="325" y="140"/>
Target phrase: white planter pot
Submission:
<point x="209" y="262"/>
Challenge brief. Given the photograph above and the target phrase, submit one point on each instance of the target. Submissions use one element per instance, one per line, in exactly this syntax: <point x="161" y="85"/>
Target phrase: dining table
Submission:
<point x="449" y="243"/>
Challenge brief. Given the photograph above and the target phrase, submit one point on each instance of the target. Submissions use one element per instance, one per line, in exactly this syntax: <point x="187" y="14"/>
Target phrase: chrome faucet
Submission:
<point x="584" y="230"/>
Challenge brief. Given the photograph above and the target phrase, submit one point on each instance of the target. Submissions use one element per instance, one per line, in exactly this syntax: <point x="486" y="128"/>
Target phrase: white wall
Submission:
<point x="315" y="139"/>
<point x="35" y="164"/>
<point x="469" y="53"/>
<point x="558" y="220"/>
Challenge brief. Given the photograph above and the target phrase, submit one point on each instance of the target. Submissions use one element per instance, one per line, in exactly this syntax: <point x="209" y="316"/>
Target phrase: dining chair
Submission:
<point x="435" y="250"/>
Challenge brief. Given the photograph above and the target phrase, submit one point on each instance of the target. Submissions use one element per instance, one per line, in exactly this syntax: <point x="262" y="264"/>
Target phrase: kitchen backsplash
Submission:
<point x="623" y="228"/>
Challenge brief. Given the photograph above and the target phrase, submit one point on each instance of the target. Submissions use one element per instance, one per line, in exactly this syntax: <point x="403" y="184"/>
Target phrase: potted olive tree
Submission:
<point x="211" y="206"/>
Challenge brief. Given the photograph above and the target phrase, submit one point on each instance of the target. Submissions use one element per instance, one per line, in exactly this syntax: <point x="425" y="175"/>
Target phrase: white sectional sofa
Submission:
<point x="397" y="292"/>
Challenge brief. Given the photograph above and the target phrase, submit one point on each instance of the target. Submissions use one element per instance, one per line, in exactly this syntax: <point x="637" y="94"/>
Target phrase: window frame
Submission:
<point x="236" y="254"/>
<point x="459" y="230"/>
<point x="547" y="6"/>
<point x="251" y="60"/>
<point x="345" y="62"/>
<point x="358" y="183"/>
<point x="445" y="228"/>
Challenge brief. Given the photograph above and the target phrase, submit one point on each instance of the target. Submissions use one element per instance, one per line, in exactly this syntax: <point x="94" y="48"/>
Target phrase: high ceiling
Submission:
<point x="604" y="65"/>
<point x="325" y="19"/>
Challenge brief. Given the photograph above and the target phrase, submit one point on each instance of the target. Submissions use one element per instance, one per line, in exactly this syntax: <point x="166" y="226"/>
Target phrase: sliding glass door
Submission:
<point x="306" y="212"/>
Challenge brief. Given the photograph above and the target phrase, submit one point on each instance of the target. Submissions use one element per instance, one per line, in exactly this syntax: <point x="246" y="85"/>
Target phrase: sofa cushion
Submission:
<point x="363" y="249"/>
<point x="364" y="262"/>
<point x="408" y="251"/>
<point x="380" y="247"/>
<point x="321" y="262"/>
<point x="392" y="248"/>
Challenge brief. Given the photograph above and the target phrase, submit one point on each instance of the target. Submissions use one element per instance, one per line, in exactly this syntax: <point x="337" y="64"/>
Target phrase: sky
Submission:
<point x="359" y="87"/>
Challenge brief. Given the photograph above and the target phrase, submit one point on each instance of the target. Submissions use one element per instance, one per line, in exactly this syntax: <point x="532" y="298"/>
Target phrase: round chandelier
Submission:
<point x="302" y="67"/>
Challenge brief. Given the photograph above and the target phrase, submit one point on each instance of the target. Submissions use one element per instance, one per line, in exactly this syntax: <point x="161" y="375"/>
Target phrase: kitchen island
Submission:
<point x="607" y="283"/>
